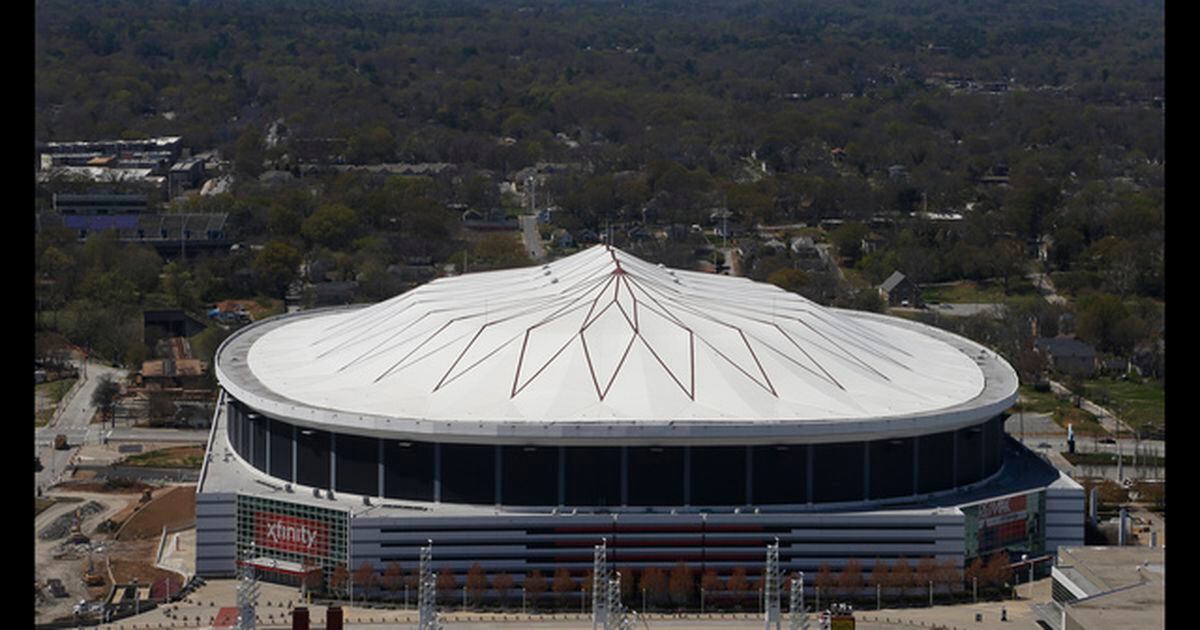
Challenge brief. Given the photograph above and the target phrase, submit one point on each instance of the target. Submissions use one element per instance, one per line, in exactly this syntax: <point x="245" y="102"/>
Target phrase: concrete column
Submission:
<point x="954" y="458"/>
<point x="749" y="475"/>
<point x="380" y="461"/>
<point x="562" y="475"/>
<point x="687" y="475"/>
<point x="808" y="474"/>
<point x="267" y="438"/>
<point x="624" y="475"/>
<point x="295" y="451"/>
<point x="916" y="466"/>
<point x="866" y="471"/>
<point x="437" y="472"/>
<point x="332" y="460"/>
<point x="499" y="467"/>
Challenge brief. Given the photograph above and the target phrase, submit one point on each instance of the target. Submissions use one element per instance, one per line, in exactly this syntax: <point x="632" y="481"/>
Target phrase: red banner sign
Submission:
<point x="290" y="533"/>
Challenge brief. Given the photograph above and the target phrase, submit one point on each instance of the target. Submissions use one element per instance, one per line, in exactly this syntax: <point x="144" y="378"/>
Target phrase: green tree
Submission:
<point x="248" y="154"/>
<point x="276" y="266"/>
<point x="331" y="225"/>
<point x="104" y="397"/>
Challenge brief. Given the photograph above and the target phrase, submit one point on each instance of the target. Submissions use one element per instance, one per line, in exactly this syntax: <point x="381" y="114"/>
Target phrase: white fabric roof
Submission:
<point x="602" y="335"/>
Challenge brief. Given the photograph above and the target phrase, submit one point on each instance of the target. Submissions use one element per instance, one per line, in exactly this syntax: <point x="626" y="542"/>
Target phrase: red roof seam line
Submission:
<point x="588" y="357"/>
<point x="546" y="365"/>
<point x="459" y="357"/>
<point x="481" y="360"/>
<point x="402" y="365"/>
<point x="620" y="363"/>
<point x="520" y="362"/>
<point x="757" y="362"/>
<point x="806" y="354"/>
<point x="665" y="367"/>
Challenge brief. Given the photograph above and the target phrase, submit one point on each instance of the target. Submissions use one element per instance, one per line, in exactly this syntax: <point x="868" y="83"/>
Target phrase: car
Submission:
<point x="37" y="464"/>
<point x="1107" y="440"/>
<point x="1044" y="445"/>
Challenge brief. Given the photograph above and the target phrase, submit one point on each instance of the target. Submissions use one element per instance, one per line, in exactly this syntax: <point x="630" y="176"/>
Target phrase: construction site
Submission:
<point x="94" y="537"/>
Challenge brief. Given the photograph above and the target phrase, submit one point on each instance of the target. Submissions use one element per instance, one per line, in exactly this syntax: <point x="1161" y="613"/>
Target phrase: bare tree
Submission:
<point x="364" y="577"/>
<point x="502" y="584"/>
<point x="535" y="585"/>
<point x="681" y="584"/>
<point x="850" y="582"/>
<point x="562" y="585"/>
<point x="393" y="578"/>
<point x="476" y="583"/>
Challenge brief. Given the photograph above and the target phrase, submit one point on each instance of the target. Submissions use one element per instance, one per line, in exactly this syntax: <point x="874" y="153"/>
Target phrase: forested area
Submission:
<point x="1033" y="122"/>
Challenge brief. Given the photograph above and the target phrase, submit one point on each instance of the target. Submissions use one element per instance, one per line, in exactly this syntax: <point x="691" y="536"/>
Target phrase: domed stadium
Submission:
<point x="604" y="389"/>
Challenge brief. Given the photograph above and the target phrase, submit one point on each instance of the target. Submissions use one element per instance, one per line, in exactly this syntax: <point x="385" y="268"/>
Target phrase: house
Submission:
<point x="586" y="236"/>
<point x="562" y="238"/>
<point x="899" y="290"/>
<point x="1067" y="354"/>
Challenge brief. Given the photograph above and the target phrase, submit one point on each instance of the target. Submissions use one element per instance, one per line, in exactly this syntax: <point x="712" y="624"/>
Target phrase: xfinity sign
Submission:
<point x="290" y="533"/>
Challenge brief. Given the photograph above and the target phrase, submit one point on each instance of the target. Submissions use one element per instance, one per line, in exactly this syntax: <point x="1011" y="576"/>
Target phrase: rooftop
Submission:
<point x="602" y="338"/>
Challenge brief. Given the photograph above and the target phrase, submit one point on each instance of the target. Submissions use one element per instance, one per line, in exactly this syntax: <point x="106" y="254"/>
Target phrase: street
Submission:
<point x="73" y="421"/>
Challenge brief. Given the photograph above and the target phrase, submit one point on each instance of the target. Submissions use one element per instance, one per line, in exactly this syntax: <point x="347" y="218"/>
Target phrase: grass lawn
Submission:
<point x="189" y="457"/>
<point x="1061" y="411"/>
<point x="55" y="390"/>
<point x="42" y="417"/>
<point x="1137" y="403"/>
<point x="970" y="292"/>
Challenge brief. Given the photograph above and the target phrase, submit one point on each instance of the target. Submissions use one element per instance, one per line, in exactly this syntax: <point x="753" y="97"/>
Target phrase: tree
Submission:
<point x="446" y="586"/>
<point x="737" y="585"/>
<point x="850" y="582"/>
<point x="502" y="584"/>
<point x="788" y="279"/>
<point x="364" y="577"/>
<point x="476" y="583"/>
<point x="654" y="583"/>
<point x="880" y="577"/>
<point x="535" y="585"/>
<point x="104" y="397"/>
<point x="393" y="578"/>
<point x="339" y="579"/>
<point x="926" y="572"/>
<point x="276" y="266"/>
<point x="848" y="240"/>
<point x="996" y="572"/>
<point x="248" y="154"/>
<point x="332" y="225"/>
<point x="900" y="575"/>
<point x="562" y="585"/>
<point x="710" y="582"/>
<point x="949" y="576"/>
<point x="825" y="580"/>
<point x="681" y="584"/>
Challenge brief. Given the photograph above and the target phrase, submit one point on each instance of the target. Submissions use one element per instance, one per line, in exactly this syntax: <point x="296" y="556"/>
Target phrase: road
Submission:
<point x="72" y="420"/>
<point x="532" y="238"/>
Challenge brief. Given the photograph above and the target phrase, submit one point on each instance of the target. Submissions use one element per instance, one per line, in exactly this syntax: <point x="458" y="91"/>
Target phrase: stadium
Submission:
<point x="515" y="418"/>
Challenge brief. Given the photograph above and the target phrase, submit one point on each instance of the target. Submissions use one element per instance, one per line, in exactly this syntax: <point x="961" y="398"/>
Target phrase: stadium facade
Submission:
<point x="517" y="417"/>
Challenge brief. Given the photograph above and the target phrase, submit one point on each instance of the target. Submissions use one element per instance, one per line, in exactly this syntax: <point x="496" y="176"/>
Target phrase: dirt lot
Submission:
<point x="172" y="507"/>
<point x="131" y="556"/>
